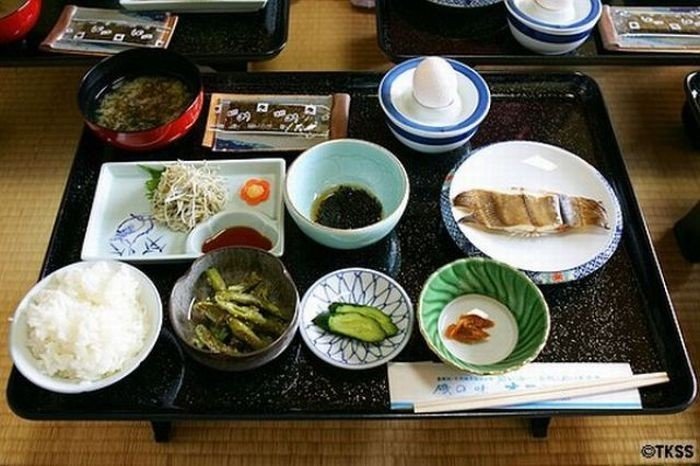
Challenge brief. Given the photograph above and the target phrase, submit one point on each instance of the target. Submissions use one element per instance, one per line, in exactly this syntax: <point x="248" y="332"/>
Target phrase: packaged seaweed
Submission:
<point x="98" y="31"/>
<point x="240" y="122"/>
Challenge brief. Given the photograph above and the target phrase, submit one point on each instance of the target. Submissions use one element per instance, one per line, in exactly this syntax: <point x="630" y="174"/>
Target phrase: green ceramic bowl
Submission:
<point x="506" y="295"/>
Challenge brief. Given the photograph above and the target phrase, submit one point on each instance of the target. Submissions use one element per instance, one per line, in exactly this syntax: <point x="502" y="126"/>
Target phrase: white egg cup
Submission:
<point x="433" y="130"/>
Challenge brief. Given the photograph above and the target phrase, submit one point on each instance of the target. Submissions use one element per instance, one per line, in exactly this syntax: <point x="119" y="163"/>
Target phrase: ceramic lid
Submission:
<point x="566" y="15"/>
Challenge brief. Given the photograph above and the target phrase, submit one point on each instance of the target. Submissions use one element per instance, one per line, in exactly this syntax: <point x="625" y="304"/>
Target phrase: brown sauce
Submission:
<point x="237" y="236"/>
<point x="346" y="207"/>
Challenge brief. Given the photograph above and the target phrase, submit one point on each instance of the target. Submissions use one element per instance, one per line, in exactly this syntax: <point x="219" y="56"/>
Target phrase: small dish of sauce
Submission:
<point x="237" y="236"/>
<point x="346" y="207"/>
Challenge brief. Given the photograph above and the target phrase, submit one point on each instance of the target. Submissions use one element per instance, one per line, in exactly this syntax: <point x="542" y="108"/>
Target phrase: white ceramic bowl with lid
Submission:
<point x="556" y="16"/>
<point x="433" y="129"/>
<point x="539" y="27"/>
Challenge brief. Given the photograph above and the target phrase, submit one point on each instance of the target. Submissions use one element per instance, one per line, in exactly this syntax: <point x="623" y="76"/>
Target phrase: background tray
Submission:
<point x="410" y="28"/>
<point x="207" y="38"/>
<point x="620" y="314"/>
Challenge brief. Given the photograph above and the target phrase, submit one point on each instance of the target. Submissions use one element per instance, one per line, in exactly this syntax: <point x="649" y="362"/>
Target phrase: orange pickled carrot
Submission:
<point x="255" y="191"/>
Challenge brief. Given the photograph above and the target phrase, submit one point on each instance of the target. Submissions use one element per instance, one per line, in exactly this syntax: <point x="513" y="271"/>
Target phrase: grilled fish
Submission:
<point x="529" y="214"/>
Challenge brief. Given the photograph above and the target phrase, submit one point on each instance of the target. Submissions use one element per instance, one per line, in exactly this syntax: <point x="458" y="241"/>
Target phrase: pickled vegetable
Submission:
<point x="351" y="325"/>
<point x="237" y="318"/>
<point x="368" y="311"/>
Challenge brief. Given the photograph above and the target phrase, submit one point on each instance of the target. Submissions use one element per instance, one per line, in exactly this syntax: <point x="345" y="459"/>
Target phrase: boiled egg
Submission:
<point x="435" y="83"/>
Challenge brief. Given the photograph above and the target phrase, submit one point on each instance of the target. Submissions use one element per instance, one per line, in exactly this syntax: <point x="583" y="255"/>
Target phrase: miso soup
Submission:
<point x="141" y="103"/>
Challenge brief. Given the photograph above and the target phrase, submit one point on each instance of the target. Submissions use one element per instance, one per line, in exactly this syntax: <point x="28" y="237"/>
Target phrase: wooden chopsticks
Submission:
<point x="578" y="389"/>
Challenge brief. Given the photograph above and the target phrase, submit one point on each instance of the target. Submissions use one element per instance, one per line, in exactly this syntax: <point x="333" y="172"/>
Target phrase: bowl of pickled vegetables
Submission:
<point x="235" y="309"/>
<point x="483" y="316"/>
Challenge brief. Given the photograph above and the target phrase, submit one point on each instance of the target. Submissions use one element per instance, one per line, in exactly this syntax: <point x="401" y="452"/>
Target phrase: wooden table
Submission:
<point x="39" y="129"/>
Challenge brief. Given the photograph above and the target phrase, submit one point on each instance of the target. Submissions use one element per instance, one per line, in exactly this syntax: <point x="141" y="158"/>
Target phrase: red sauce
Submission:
<point x="237" y="236"/>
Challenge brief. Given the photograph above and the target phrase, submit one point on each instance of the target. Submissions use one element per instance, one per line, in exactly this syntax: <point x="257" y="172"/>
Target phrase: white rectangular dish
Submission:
<point x="122" y="227"/>
<point x="194" y="6"/>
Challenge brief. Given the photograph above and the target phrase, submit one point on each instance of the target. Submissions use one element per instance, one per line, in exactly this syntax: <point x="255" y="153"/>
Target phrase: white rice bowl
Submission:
<point x="85" y="326"/>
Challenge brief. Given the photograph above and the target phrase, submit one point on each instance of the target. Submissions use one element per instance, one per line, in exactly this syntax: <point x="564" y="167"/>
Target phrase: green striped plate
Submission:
<point x="495" y="285"/>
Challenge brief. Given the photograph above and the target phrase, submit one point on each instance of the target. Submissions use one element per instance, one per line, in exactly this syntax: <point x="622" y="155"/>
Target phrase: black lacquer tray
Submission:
<point x="214" y="39"/>
<point x="622" y="313"/>
<point x="410" y="28"/>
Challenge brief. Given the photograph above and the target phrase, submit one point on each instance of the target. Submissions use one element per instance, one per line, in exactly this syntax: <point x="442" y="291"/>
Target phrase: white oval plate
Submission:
<point x="535" y="167"/>
<point x="357" y="286"/>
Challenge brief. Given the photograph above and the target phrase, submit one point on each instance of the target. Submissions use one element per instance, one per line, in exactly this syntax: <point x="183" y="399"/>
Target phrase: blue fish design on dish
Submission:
<point x="133" y="230"/>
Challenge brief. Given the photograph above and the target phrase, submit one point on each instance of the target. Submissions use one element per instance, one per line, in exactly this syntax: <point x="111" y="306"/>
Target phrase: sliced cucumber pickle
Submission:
<point x="351" y="325"/>
<point x="389" y="328"/>
<point x="356" y="326"/>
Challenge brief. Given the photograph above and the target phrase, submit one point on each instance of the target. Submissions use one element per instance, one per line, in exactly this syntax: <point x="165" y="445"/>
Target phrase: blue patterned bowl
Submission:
<point x="549" y="37"/>
<point x="357" y="286"/>
<point x="403" y="114"/>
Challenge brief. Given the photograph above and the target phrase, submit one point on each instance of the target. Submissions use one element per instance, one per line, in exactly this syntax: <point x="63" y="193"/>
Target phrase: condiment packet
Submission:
<point x="243" y="122"/>
<point x="651" y="29"/>
<point x="98" y="31"/>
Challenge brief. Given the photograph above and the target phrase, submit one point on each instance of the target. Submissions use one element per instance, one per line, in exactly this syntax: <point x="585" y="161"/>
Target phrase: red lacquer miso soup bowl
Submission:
<point x="141" y="99"/>
<point x="17" y="18"/>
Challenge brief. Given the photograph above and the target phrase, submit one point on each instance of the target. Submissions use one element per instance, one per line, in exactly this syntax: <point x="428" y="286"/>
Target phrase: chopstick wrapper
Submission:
<point x="243" y="122"/>
<point x="424" y="381"/>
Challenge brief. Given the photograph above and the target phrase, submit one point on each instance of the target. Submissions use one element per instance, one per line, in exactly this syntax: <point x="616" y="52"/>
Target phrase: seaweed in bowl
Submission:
<point x="235" y="309"/>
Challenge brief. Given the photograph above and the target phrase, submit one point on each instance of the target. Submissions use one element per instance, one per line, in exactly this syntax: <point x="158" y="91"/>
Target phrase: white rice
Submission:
<point x="88" y="322"/>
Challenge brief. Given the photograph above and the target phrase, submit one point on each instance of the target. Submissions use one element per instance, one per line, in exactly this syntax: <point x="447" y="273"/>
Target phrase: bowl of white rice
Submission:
<point x="85" y="326"/>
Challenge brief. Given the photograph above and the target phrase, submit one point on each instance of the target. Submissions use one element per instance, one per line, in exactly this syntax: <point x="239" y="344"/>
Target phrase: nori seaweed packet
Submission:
<point x="651" y="29"/>
<point x="98" y="31"/>
<point x="241" y="122"/>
